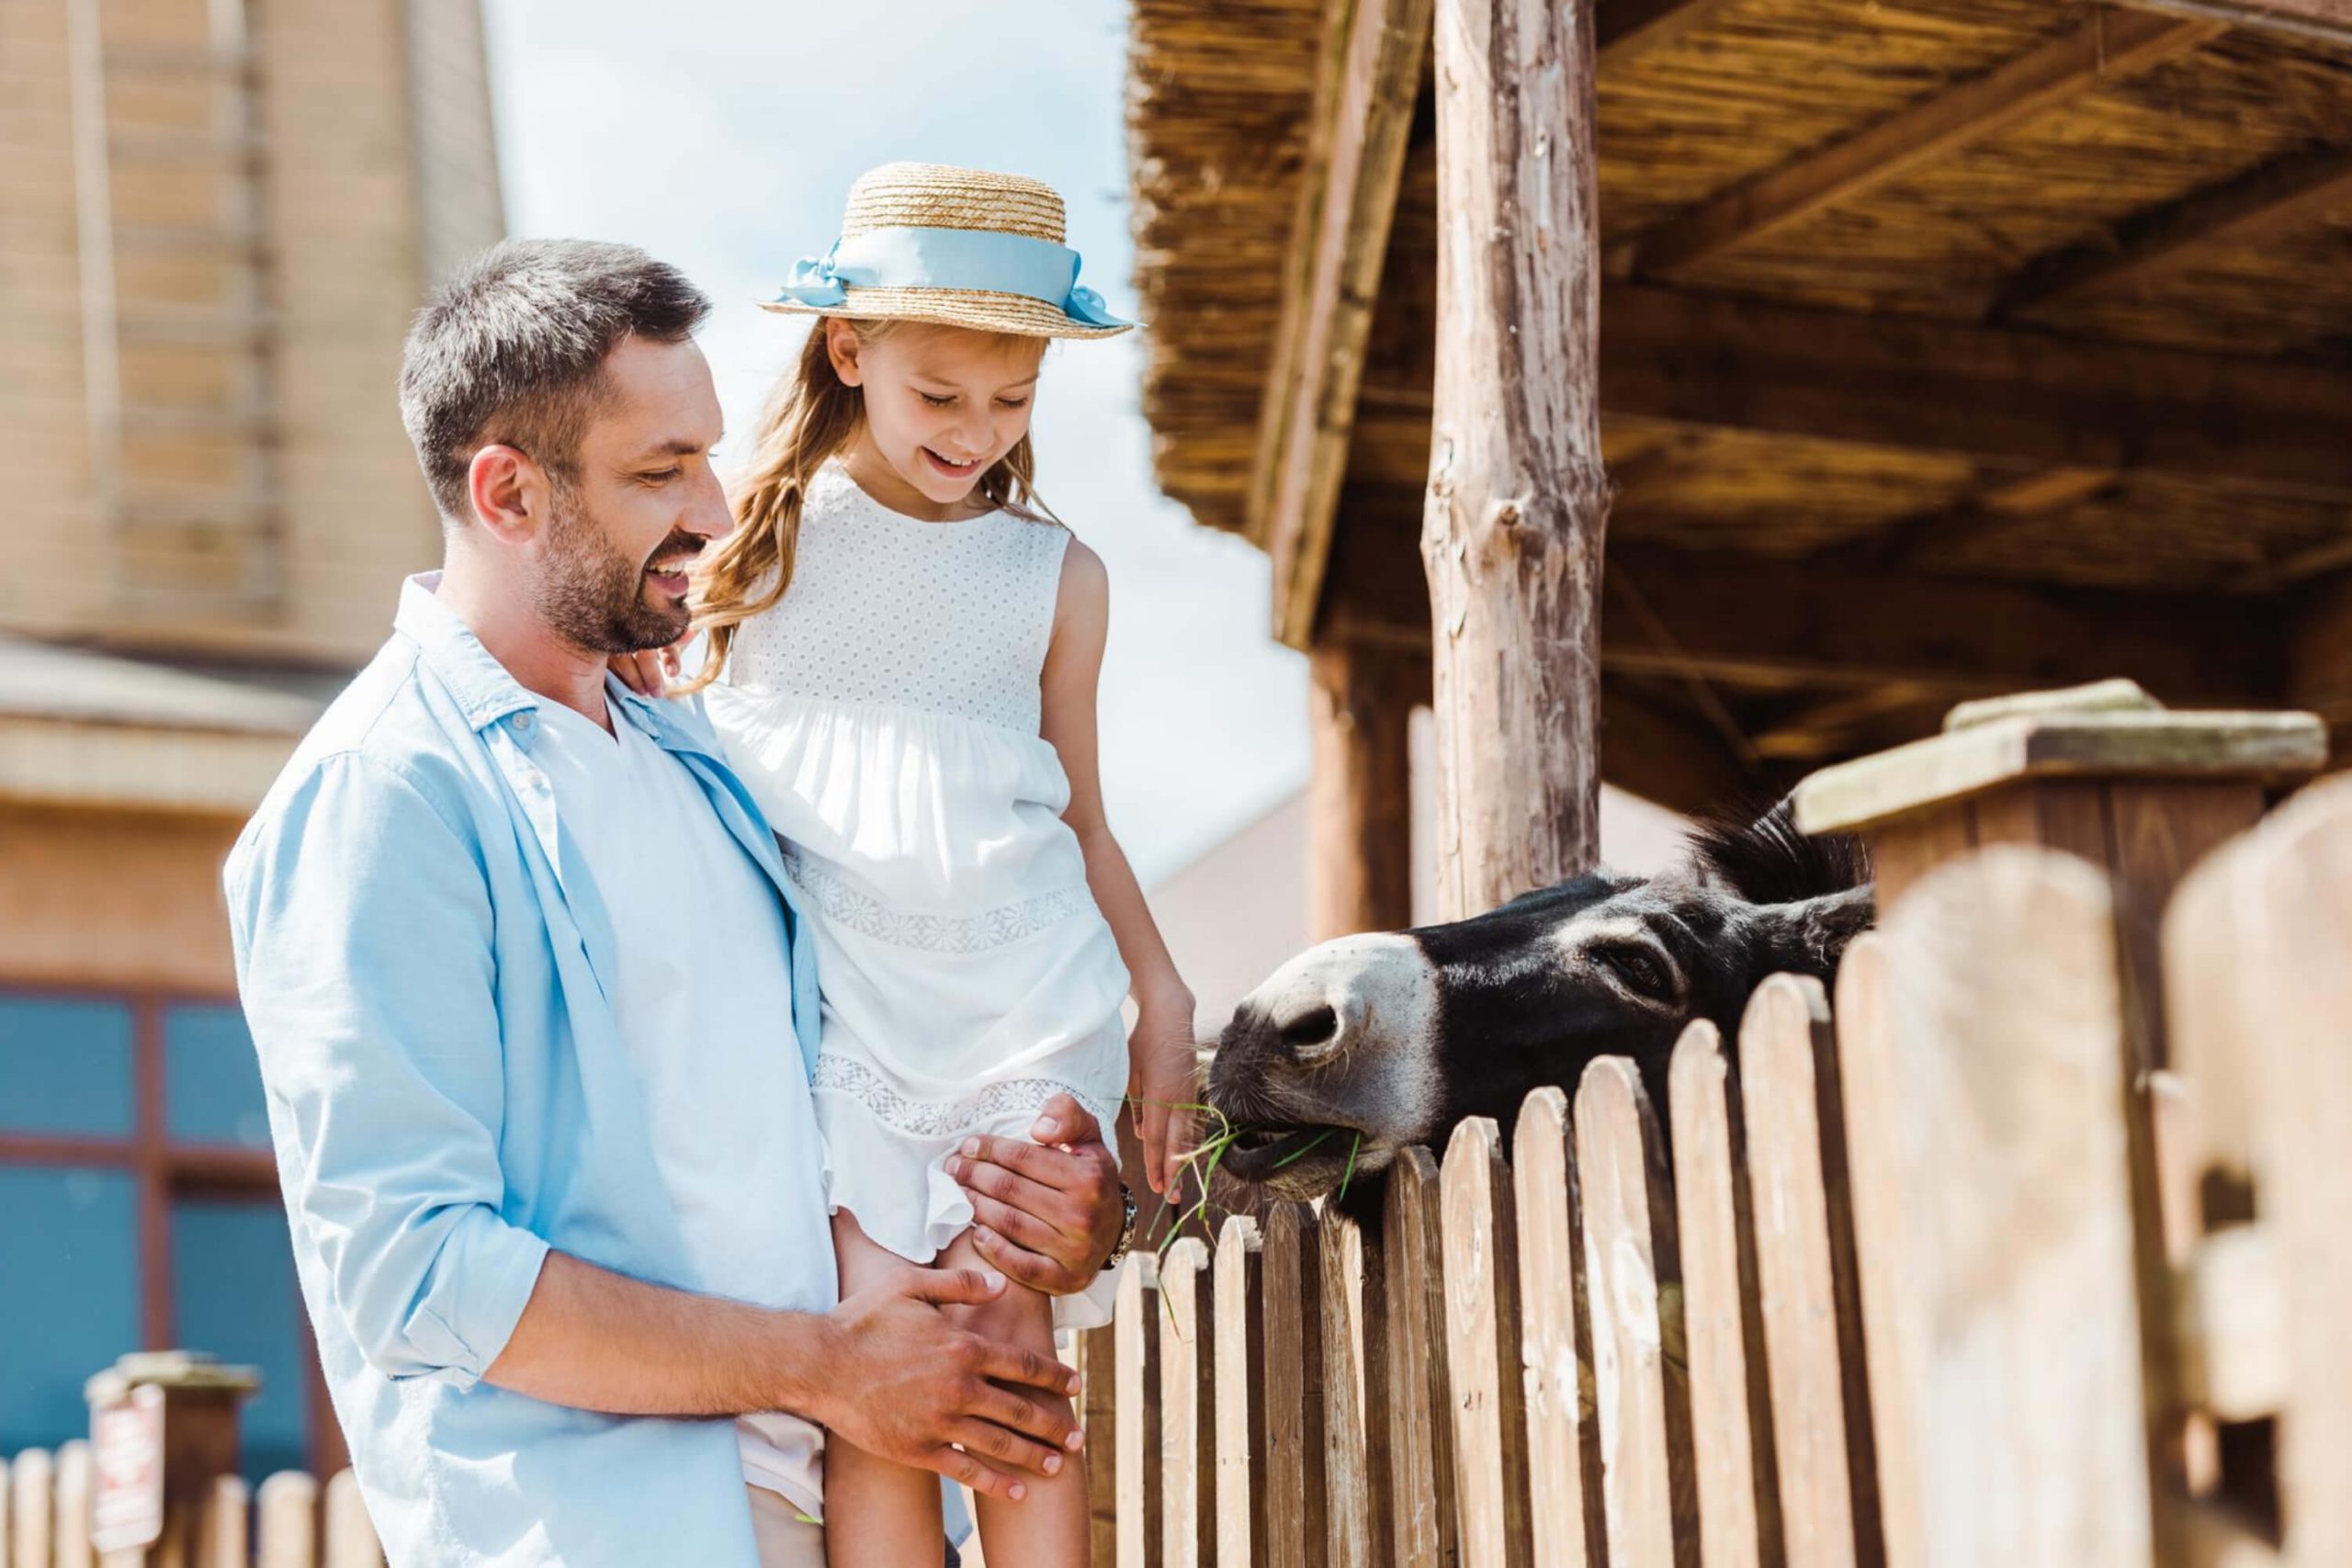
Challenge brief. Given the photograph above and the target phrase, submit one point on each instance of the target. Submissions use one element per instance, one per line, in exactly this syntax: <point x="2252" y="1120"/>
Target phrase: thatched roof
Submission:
<point x="2240" y="137"/>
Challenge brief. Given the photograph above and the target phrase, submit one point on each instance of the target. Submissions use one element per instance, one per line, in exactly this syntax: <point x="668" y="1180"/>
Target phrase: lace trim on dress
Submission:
<point x="944" y="1117"/>
<point x="844" y="905"/>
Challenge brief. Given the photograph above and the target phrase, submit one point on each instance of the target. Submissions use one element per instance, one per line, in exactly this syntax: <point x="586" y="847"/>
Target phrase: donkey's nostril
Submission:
<point x="1316" y="1026"/>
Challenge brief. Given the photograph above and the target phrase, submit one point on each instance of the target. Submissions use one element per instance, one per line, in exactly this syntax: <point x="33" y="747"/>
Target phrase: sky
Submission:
<point x="722" y="135"/>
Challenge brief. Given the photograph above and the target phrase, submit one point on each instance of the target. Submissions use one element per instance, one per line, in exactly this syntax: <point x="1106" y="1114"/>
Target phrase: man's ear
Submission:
<point x="509" y="492"/>
<point x="1809" y="937"/>
<point x="841" y="346"/>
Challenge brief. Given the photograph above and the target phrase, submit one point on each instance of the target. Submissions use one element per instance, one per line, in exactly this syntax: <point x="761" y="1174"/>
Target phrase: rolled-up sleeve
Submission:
<point x="363" y="939"/>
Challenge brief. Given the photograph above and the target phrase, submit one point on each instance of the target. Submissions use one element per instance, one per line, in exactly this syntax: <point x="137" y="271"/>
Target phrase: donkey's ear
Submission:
<point x="1809" y="937"/>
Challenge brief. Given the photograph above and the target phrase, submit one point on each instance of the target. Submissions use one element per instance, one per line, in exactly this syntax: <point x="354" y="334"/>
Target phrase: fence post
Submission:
<point x="1188" y="1405"/>
<point x="75" y="1484"/>
<point x="1555" y="1346"/>
<point x="1136" y="1321"/>
<point x="1420" y="1425"/>
<point x="287" y="1522"/>
<point x="1868" y="1076"/>
<point x="1290" y="1274"/>
<point x="351" y="1535"/>
<point x="1349" y="1443"/>
<point x="1633" y="1281"/>
<point x="228" y="1524"/>
<point x="1098" y="1375"/>
<point x="2018" y="1234"/>
<point x="1481" y="1277"/>
<point x="32" y="1482"/>
<point x="1804" y="1253"/>
<point x="1241" y="1491"/>
<point x="1731" y="1397"/>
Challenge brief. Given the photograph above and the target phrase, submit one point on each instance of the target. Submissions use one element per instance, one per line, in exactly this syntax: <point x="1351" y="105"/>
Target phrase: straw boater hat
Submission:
<point x="930" y="243"/>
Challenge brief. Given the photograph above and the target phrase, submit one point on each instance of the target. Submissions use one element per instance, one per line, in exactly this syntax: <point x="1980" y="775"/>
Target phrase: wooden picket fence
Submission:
<point x="1937" y="1280"/>
<point x="288" y="1522"/>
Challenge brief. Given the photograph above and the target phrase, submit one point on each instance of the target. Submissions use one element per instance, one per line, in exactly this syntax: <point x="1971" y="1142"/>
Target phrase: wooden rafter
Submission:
<point x="1624" y="29"/>
<point x="1748" y="621"/>
<point x="1372" y="75"/>
<point x="1988" y="511"/>
<point x="2107" y="47"/>
<point x="2329" y="21"/>
<point x="2278" y="197"/>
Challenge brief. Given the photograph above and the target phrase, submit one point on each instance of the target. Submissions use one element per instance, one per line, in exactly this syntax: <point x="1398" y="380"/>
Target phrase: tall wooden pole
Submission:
<point x="1511" y="533"/>
<point x="1359" y="862"/>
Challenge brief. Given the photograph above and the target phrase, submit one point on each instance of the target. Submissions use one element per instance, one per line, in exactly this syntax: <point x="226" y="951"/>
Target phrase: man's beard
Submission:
<point x="594" y="596"/>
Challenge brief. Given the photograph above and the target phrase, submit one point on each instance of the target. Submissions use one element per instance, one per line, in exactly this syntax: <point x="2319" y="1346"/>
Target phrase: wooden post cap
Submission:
<point x="2110" y="729"/>
<point x="172" y="1371"/>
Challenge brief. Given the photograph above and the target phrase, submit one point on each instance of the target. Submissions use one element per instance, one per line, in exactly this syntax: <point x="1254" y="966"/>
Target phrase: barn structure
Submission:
<point x="1912" y="350"/>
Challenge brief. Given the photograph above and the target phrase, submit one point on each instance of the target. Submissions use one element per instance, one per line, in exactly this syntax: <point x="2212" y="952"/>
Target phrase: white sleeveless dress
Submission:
<point x="884" y="715"/>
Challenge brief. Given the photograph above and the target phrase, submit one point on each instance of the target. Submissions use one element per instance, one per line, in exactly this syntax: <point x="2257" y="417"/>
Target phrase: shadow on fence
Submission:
<point x="1940" y="1277"/>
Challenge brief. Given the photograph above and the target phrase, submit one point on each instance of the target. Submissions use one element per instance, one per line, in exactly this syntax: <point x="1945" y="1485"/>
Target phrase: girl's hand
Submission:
<point x="648" y="673"/>
<point x="1164" y="1082"/>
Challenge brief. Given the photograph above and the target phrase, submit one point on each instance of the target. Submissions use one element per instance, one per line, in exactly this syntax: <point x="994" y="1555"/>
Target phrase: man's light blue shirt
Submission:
<point x="424" y="962"/>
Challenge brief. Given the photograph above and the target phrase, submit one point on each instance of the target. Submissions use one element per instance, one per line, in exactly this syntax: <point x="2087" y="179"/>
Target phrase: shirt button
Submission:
<point x="522" y="721"/>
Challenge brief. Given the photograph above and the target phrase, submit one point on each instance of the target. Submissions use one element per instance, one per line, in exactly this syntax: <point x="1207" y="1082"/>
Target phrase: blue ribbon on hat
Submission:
<point x="948" y="258"/>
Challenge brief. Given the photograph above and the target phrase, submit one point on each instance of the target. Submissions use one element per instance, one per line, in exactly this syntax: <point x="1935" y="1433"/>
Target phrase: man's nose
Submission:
<point x="707" y="516"/>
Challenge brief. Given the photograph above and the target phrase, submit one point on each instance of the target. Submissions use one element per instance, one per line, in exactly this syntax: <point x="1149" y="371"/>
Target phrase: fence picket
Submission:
<point x="7" y="1488"/>
<point x="2295" y="900"/>
<point x="1289" y="1276"/>
<point x="1731" y="1399"/>
<point x="1098" y="1374"/>
<point x="1350" y="1522"/>
<point x="32" y="1482"/>
<point x="1420" y="1425"/>
<point x="1556" y="1344"/>
<point x="2014" y="1172"/>
<point x="1481" y="1280"/>
<point x="1187" y="1405"/>
<point x="75" y="1477"/>
<point x="351" y="1535"/>
<point x="1649" y="1493"/>
<point x="1804" y="1253"/>
<point x="1867" y="1075"/>
<point x="1240" y="1403"/>
<point x="287" y="1522"/>
<point x="1136" y="1413"/>
<point x="227" y="1516"/>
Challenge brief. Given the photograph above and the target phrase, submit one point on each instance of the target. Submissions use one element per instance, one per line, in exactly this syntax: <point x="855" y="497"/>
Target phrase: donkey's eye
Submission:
<point x="1640" y="969"/>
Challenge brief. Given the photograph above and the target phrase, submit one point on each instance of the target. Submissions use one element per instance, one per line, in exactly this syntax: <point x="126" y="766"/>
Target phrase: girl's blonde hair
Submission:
<point x="812" y="416"/>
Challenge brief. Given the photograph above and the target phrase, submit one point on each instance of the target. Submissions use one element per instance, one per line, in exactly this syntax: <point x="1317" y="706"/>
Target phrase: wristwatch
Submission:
<point x="1126" y="1229"/>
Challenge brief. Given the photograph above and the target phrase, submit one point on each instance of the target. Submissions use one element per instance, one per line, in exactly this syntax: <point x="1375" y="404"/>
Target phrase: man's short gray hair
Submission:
<point x="511" y="350"/>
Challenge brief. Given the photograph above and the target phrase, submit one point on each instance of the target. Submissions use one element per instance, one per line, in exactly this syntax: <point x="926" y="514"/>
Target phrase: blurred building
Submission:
<point x="216" y="217"/>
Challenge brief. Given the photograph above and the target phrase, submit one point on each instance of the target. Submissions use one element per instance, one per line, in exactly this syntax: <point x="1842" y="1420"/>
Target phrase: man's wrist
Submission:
<point x="803" y="1343"/>
<point x="1126" y="1239"/>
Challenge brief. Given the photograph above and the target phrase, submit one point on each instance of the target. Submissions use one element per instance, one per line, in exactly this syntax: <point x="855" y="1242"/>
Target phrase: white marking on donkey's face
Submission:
<point x="1378" y="1055"/>
<point x="1613" y="945"/>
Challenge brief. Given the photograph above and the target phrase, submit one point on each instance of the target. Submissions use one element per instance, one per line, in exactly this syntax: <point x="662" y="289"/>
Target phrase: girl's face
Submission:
<point x="943" y="405"/>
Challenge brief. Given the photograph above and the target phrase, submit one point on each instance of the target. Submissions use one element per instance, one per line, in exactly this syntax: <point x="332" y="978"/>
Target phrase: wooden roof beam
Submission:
<point x="2001" y="396"/>
<point x="1370" y="76"/>
<point x="1624" y="29"/>
<point x="1740" y="620"/>
<point x="2146" y="247"/>
<point x="2105" y="48"/>
<point x="2328" y="21"/>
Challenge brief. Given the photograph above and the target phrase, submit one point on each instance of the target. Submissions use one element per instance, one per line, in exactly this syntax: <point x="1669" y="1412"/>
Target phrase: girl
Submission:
<point x="903" y="653"/>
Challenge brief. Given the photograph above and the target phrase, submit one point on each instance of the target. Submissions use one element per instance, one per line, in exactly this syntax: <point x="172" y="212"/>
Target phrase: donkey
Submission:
<point x="1356" y="1048"/>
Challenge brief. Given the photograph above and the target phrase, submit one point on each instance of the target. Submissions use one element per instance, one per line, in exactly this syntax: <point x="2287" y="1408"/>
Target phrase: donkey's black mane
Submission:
<point x="1763" y="858"/>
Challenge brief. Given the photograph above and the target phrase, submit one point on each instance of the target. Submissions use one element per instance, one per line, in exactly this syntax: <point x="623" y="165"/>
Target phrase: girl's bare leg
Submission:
<point x="877" y="1514"/>
<point x="1047" y="1528"/>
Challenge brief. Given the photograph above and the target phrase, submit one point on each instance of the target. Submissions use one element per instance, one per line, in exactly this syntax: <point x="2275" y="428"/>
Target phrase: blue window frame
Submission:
<point x="233" y="1294"/>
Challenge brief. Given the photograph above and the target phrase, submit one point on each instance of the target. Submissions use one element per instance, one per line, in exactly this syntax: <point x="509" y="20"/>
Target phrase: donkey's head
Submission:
<point x="1363" y="1045"/>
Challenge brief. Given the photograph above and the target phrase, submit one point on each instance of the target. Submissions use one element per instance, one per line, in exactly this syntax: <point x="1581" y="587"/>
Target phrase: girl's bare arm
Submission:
<point x="1163" y="1065"/>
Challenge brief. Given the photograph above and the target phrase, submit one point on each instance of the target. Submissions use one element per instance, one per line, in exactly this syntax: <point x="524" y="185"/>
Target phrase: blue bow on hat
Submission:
<point x="980" y="260"/>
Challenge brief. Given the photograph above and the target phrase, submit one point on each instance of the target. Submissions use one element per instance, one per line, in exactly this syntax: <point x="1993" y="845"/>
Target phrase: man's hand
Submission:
<point x="904" y="1383"/>
<point x="1047" y="1213"/>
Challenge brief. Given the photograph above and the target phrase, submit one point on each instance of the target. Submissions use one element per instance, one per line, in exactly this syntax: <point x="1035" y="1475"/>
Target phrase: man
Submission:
<point x="534" y="1012"/>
